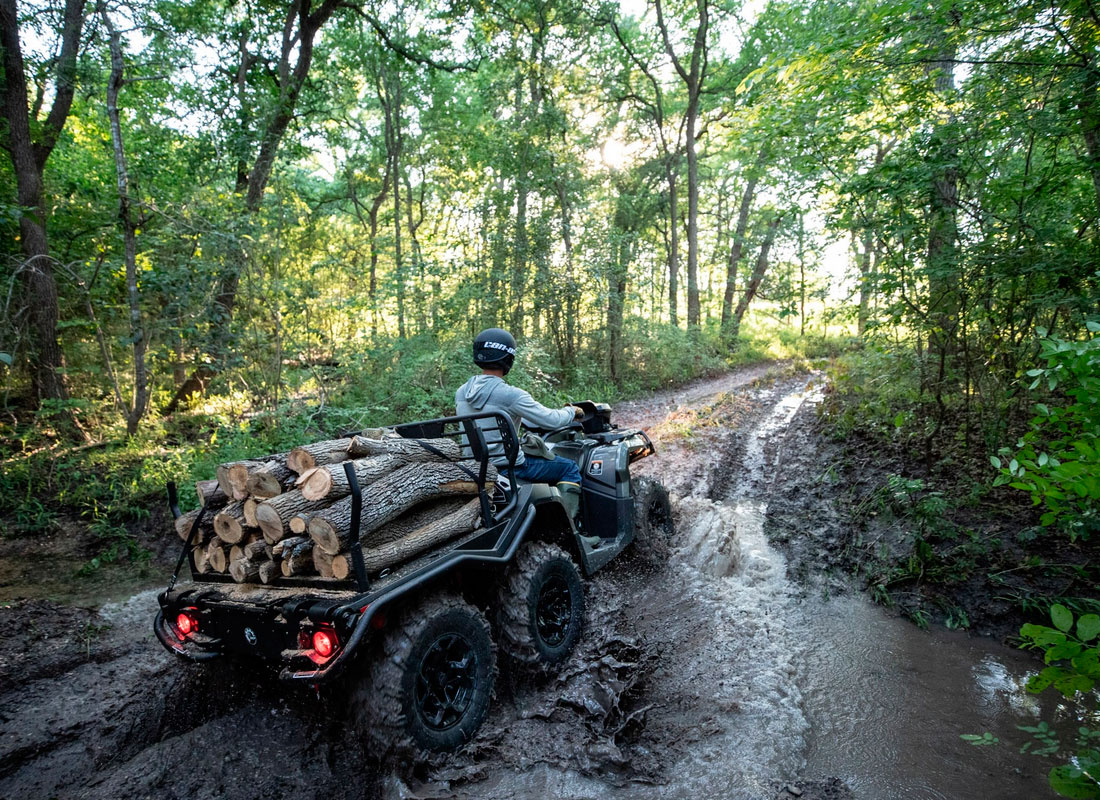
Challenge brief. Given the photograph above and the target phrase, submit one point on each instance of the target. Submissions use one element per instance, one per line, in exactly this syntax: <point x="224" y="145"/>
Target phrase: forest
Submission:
<point x="230" y="224"/>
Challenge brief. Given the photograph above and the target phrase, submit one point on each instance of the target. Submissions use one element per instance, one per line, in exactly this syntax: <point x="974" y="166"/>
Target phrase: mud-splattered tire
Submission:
<point x="541" y="607"/>
<point x="653" y="524"/>
<point x="430" y="687"/>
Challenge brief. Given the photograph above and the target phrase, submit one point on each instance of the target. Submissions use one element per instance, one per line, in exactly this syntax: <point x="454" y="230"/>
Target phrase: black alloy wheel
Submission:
<point x="540" y="607"/>
<point x="553" y="611"/>
<point x="445" y="682"/>
<point x="654" y="526"/>
<point x="429" y="686"/>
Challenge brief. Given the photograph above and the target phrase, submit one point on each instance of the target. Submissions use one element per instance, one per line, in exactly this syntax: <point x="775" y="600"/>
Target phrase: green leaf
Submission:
<point x="1088" y="627"/>
<point x="1093" y="326"/>
<point x="1062" y="617"/>
<point x="6" y="358"/>
<point x="1071" y="781"/>
<point x="996" y="462"/>
<point x="1037" y="683"/>
<point x="981" y="740"/>
<point x="1064" y="650"/>
<point x="1070" y="685"/>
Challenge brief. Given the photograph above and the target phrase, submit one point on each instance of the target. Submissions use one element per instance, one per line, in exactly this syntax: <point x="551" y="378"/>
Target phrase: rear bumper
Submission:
<point x="187" y="650"/>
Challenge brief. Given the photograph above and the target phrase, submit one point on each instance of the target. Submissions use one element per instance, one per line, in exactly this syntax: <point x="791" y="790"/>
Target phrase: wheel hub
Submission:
<point x="445" y="681"/>
<point x="553" y="611"/>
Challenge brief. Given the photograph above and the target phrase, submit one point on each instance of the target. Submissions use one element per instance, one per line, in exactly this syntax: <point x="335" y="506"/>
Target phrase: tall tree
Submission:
<point x="29" y="141"/>
<point x="302" y="19"/>
<point x="694" y="76"/>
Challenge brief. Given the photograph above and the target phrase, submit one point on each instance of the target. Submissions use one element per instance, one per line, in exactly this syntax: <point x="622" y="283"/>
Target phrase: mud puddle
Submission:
<point x="718" y="675"/>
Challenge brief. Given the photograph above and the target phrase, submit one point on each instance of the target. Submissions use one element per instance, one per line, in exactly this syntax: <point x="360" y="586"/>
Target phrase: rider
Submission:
<point x="494" y="352"/>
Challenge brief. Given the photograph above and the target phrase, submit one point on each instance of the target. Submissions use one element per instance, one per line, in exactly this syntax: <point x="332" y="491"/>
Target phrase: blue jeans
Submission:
<point x="539" y="470"/>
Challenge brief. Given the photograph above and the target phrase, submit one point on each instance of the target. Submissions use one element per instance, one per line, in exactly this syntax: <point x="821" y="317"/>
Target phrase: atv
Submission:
<point x="415" y="646"/>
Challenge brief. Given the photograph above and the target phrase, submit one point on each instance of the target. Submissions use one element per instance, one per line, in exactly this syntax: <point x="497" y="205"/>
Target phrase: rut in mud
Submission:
<point x="688" y="680"/>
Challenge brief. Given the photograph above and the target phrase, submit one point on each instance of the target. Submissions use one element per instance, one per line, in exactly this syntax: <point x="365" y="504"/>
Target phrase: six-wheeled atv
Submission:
<point x="418" y="642"/>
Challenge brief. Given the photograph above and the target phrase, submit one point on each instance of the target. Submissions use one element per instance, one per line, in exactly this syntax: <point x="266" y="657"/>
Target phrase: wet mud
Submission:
<point x="696" y="678"/>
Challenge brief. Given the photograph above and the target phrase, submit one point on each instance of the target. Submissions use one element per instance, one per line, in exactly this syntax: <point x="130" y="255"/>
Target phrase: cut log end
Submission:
<point x="228" y="524"/>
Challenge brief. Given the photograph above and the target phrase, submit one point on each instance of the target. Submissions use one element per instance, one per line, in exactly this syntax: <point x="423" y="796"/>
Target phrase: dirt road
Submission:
<point x="685" y="683"/>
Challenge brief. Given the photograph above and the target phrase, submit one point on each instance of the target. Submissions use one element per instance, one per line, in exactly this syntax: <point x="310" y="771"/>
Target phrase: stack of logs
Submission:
<point x="290" y="514"/>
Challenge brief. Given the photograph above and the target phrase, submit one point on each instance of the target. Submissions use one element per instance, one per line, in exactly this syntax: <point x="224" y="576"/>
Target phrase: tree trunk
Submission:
<point x="390" y="497"/>
<point x="271" y="478"/>
<point x="318" y="454"/>
<point x="331" y="482"/>
<point x="673" y="243"/>
<point x="693" y="76"/>
<point x="409" y="450"/>
<point x="210" y="494"/>
<point x="229" y="523"/>
<point x="942" y="264"/>
<point x="28" y="153"/>
<point x="392" y="553"/>
<point x="140" y="400"/>
<point x="273" y="515"/>
<point x="616" y="300"/>
<point x="752" y="177"/>
<point x="757" y="276"/>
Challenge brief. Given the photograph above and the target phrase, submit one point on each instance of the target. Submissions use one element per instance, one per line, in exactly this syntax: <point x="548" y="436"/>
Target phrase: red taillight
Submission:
<point x="324" y="643"/>
<point x="186" y="623"/>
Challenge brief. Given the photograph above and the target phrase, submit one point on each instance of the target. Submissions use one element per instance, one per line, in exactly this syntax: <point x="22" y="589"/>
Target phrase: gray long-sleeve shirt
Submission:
<point x="490" y="394"/>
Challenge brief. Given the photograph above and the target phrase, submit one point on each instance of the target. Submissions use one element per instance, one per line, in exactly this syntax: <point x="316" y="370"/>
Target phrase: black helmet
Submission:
<point x="495" y="348"/>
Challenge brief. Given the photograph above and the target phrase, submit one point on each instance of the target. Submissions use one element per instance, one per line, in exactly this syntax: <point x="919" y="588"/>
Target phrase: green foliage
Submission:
<point x="1072" y="653"/>
<point x="1058" y="460"/>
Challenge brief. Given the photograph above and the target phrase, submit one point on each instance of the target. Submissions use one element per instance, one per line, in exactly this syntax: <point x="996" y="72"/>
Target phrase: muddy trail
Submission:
<point x="743" y="668"/>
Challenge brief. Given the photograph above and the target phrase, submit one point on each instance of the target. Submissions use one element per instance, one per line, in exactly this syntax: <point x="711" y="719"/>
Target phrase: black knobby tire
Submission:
<point x="653" y="524"/>
<point x="541" y="607"/>
<point x="430" y="687"/>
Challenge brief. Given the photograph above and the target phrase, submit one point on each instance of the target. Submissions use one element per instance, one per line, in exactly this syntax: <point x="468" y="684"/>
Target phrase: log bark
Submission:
<point x="221" y="474"/>
<point x="272" y="478"/>
<point x="217" y="557"/>
<point x="341" y="565"/>
<point x="331" y="482"/>
<point x="386" y="555"/>
<point x="408" y="449"/>
<point x="315" y="455"/>
<point x="198" y="555"/>
<point x="244" y="571"/>
<point x="229" y="523"/>
<point x="274" y="514"/>
<point x="300" y="561"/>
<point x="414" y="519"/>
<point x="322" y="561"/>
<point x="210" y="494"/>
<point x="237" y="475"/>
<point x="184" y="522"/>
<point x="249" y="510"/>
<point x="299" y="523"/>
<point x="287" y="546"/>
<point x="390" y="497"/>
<point x="256" y="551"/>
<point x="270" y="571"/>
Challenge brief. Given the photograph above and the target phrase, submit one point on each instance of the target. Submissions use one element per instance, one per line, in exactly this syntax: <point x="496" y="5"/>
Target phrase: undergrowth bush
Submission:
<point x="1058" y="460"/>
